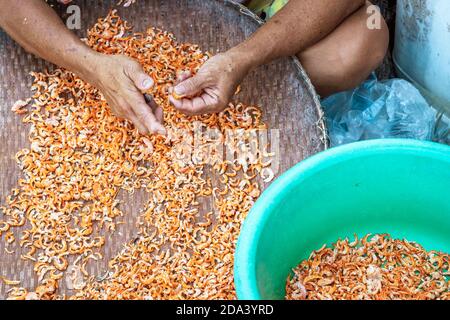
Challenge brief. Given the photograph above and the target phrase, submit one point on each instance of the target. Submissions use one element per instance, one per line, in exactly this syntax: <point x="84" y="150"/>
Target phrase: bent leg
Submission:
<point x="347" y="56"/>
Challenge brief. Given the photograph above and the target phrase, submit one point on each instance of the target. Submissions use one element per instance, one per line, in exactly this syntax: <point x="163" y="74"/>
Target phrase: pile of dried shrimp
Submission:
<point x="81" y="156"/>
<point x="375" y="267"/>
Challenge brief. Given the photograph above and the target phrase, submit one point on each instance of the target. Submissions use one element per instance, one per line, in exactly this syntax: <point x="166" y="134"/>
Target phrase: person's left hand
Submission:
<point x="210" y="90"/>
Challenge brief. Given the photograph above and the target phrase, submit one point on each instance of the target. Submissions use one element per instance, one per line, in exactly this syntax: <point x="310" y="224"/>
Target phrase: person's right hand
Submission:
<point x="210" y="90"/>
<point x="123" y="81"/>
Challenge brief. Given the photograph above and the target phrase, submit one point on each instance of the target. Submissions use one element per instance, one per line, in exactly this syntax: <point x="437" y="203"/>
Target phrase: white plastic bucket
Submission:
<point x="422" y="48"/>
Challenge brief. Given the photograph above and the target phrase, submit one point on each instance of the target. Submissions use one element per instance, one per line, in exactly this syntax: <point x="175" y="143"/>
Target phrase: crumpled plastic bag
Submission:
<point x="379" y="109"/>
<point x="442" y="130"/>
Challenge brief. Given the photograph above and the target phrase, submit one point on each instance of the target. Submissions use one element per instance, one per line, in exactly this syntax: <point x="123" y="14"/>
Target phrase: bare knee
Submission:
<point x="347" y="56"/>
<point x="363" y="54"/>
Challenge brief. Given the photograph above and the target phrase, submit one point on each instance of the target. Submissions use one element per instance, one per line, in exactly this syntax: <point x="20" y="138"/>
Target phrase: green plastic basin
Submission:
<point x="401" y="187"/>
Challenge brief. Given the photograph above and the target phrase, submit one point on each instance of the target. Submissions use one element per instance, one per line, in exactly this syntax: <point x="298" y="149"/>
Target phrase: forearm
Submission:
<point x="38" y="29"/>
<point x="299" y="25"/>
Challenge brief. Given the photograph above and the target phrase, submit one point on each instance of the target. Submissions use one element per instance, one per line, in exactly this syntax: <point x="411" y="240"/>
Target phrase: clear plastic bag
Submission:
<point x="379" y="109"/>
<point x="442" y="130"/>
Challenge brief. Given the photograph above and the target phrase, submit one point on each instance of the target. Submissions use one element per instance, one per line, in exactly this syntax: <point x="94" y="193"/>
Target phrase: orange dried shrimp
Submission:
<point x="375" y="267"/>
<point x="81" y="156"/>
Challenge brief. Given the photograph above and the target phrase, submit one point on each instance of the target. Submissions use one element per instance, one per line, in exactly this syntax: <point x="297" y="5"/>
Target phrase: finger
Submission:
<point x="159" y="114"/>
<point x="205" y="104"/>
<point x="150" y="101"/>
<point x="129" y="114"/>
<point x="191" y="86"/>
<point x="119" y="107"/>
<point x="194" y="106"/>
<point x="185" y="106"/>
<point x="157" y="110"/>
<point x="140" y="79"/>
<point x="145" y="115"/>
<point x="143" y="111"/>
<point x="178" y="104"/>
<point x="138" y="125"/>
<point x="123" y="110"/>
<point x="184" y="75"/>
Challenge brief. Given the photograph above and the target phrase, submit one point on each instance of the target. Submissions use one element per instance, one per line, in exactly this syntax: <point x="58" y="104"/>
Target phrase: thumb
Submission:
<point x="191" y="86"/>
<point x="141" y="80"/>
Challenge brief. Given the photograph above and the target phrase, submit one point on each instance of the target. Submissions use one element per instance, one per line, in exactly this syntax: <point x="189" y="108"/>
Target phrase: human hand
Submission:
<point x="123" y="81"/>
<point x="210" y="90"/>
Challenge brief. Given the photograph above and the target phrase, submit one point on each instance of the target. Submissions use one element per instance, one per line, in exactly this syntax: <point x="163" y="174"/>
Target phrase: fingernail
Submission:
<point x="147" y="83"/>
<point x="157" y="128"/>
<point x="180" y="90"/>
<point x="162" y="130"/>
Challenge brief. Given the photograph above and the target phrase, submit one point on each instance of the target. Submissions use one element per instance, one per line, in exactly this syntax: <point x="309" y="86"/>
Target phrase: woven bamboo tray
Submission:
<point x="281" y="88"/>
